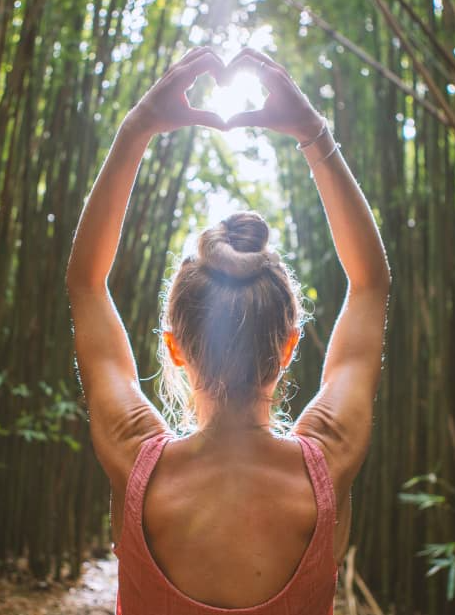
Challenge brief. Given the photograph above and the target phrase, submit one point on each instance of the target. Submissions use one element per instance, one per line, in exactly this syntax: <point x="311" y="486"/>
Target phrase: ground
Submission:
<point x="93" y="594"/>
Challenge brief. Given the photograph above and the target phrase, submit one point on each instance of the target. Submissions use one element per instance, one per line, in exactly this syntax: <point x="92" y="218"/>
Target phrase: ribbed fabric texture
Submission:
<point x="145" y="590"/>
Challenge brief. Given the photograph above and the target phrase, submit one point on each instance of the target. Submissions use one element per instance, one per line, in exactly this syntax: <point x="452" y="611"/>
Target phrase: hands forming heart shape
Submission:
<point x="165" y="106"/>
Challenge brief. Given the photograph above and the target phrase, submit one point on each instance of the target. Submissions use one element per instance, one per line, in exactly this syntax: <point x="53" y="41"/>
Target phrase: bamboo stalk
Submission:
<point x="368" y="59"/>
<point x="432" y="86"/>
<point x="443" y="52"/>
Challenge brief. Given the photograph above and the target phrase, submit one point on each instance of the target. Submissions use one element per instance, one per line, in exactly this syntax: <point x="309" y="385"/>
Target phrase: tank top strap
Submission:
<point x="320" y="478"/>
<point x="139" y="477"/>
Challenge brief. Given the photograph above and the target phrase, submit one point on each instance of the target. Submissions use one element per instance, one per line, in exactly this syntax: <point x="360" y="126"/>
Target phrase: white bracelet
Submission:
<point x="302" y="144"/>
<point x="336" y="147"/>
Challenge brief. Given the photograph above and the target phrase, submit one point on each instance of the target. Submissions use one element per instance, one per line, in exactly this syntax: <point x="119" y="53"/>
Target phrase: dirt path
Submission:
<point x="93" y="594"/>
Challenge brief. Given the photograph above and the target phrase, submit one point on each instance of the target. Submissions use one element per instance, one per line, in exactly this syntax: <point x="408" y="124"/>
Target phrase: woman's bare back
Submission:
<point x="242" y="512"/>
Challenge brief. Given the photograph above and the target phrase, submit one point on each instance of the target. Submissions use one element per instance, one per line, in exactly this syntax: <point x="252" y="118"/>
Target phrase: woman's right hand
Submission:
<point x="165" y="106"/>
<point x="286" y="108"/>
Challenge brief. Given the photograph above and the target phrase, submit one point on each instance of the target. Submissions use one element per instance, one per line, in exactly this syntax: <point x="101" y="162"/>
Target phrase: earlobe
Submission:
<point x="290" y="346"/>
<point x="173" y="348"/>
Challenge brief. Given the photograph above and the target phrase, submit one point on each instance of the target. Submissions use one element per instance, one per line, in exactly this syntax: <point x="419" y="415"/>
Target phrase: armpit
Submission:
<point x="320" y="422"/>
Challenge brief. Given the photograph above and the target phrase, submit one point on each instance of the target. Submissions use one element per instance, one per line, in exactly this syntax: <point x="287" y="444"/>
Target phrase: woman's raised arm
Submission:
<point x="288" y="110"/>
<point x="162" y="109"/>
<point x="339" y="417"/>
<point x="121" y="416"/>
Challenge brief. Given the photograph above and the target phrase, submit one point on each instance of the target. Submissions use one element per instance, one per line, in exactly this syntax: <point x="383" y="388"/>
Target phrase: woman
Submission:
<point x="232" y="518"/>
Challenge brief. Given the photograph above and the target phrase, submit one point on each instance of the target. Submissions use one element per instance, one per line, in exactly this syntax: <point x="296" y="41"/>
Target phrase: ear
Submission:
<point x="174" y="349"/>
<point x="290" y="346"/>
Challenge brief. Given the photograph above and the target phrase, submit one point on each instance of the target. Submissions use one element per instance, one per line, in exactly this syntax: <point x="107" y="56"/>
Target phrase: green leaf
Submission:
<point x="67" y="409"/>
<point x="31" y="434"/>
<point x="432" y="571"/>
<point x="53" y="428"/>
<point x="47" y="390"/>
<point x="63" y="388"/>
<point x="444" y="562"/>
<point x="436" y="549"/>
<point x="431" y="478"/>
<point x="24" y="421"/>
<point x="422" y="500"/>
<point x="21" y="390"/>
<point x="4" y="432"/>
<point x="72" y="443"/>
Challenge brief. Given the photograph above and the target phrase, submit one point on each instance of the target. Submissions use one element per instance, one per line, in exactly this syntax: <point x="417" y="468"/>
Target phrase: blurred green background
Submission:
<point x="384" y="75"/>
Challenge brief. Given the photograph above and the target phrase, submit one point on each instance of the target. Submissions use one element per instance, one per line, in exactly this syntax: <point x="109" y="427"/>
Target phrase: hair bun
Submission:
<point x="247" y="231"/>
<point x="236" y="246"/>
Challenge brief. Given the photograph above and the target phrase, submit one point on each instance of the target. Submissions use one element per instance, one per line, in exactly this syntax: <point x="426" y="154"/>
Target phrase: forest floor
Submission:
<point x="93" y="594"/>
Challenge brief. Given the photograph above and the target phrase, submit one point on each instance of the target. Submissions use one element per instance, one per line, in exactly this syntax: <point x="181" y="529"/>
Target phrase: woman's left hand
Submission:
<point x="286" y="109"/>
<point x="165" y="107"/>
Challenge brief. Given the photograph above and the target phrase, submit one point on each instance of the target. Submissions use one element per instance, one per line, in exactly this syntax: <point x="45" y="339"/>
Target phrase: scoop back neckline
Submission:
<point x="202" y="605"/>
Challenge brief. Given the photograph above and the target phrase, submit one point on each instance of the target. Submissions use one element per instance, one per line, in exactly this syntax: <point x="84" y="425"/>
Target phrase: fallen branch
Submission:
<point x="349" y="581"/>
<point x="368" y="596"/>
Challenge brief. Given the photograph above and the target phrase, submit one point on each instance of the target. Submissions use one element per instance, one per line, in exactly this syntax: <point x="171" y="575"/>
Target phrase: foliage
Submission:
<point x="440" y="556"/>
<point x="69" y="71"/>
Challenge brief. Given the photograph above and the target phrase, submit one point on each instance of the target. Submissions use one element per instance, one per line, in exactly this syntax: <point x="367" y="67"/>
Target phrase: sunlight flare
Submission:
<point x="245" y="92"/>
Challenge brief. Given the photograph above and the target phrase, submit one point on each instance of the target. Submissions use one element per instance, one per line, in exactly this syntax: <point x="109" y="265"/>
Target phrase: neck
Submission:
<point x="230" y="418"/>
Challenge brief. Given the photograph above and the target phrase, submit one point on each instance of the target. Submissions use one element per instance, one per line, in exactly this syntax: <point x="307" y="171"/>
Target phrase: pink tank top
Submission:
<point x="145" y="590"/>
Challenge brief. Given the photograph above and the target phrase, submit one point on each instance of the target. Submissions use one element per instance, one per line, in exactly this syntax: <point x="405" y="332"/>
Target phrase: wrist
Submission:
<point x="311" y="129"/>
<point x="321" y="151"/>
<point x="137" y="125"/>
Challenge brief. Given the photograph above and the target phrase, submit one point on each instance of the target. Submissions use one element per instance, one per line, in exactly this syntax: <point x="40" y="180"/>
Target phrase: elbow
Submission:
<point x="380" y="280"/>
<point x="76" y="281"/>
<point x="85" y="273"/>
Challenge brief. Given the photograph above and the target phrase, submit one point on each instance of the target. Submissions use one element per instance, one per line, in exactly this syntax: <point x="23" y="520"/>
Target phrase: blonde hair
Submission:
<point x="231" y="307"/>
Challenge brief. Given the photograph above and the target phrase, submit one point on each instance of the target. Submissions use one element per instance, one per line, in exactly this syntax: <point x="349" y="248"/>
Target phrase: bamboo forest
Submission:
<point x="383" y="74"/>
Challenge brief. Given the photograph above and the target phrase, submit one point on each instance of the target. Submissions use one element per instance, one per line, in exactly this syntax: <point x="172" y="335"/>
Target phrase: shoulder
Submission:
<point x="136" y="450"/>
<point x="335" y="468"/>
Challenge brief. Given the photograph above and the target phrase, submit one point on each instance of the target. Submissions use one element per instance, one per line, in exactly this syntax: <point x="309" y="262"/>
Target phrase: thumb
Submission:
<point x="248" y="118"/>
<point x="198" y="117"/>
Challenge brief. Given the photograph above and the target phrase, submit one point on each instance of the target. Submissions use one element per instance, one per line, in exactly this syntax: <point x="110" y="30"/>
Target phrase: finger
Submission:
<point x="188" y="57"/>
<point x="248" y="118"/>
<point x="185" y="75"/>
<point x="193" y="53"/>
<point x="190" y="53"/>
<point x="262" y="57"/>
<point x="269" y="76"/>
<point x="199" y="117"/>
